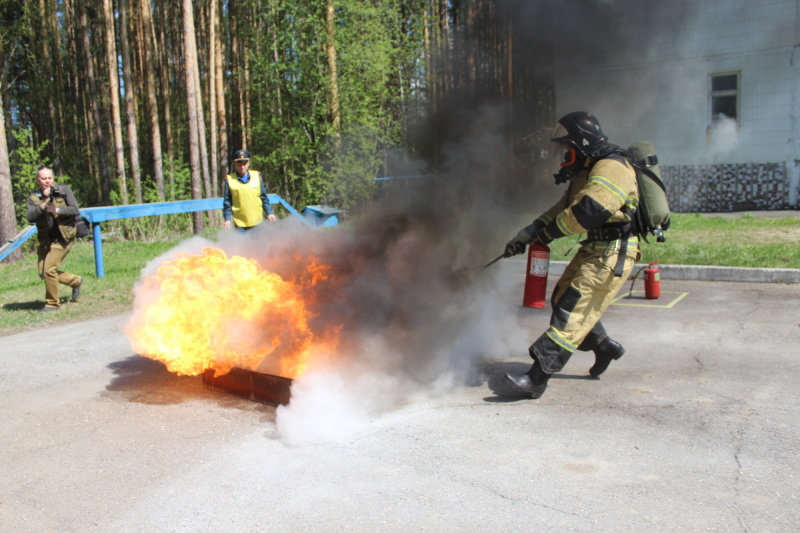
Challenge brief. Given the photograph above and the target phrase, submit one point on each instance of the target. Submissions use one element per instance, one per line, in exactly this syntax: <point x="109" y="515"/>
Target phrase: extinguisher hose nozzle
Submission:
<point x="633" y="279"/>
<point x="495" y="260"/>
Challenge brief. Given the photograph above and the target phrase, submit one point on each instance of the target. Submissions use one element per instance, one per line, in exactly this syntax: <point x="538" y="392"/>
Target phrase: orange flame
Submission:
<point x="211" y="311"/>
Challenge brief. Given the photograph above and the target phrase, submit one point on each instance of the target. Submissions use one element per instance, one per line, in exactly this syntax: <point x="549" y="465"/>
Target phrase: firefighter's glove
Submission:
<point x="524" y="237"/>
<point x="515" y="246"/>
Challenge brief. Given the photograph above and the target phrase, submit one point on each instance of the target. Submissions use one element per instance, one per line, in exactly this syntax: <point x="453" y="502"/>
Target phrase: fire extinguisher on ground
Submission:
<point x="536" y="276"/>
<point x="652" y="281"/>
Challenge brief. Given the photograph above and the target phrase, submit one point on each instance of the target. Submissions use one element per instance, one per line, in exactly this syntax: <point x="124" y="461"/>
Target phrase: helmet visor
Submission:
<point x="559" y="132"/>
<point x="562" y="152"/>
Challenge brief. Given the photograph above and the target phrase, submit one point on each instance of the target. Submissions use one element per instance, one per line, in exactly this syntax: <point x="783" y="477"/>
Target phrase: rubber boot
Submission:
<point x="605" y="352"/>
<point x="532" y="383"/>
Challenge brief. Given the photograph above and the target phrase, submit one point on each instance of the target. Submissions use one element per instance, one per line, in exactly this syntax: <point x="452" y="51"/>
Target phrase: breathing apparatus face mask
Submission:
<point x="571" y="163"/>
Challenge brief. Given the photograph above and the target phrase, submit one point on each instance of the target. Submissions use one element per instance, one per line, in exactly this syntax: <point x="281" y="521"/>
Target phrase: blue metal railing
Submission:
<point x="387" y="180"/>
<point x="15" y="243"/>
<point x="96" y="215"/>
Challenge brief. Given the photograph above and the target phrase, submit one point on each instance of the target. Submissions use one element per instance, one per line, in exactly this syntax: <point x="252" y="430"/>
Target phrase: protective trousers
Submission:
<point x="50" y="257"/>
<point x="582" y="295"/>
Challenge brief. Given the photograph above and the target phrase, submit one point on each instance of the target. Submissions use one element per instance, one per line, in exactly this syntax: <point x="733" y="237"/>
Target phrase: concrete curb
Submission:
<point x="712" y="273"/>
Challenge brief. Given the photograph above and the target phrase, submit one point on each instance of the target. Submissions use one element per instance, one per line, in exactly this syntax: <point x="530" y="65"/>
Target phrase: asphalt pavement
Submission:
<point x="695" y="428"/>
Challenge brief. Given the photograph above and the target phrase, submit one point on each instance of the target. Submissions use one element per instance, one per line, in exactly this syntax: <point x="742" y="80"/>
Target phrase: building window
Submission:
<point x="725" y="96"/>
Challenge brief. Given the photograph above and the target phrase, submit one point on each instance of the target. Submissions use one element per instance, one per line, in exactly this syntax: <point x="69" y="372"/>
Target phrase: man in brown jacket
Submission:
<point x="54" y="210"/>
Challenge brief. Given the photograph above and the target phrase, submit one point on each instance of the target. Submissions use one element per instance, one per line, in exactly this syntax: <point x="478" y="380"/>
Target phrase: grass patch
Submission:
<point x="692" y="240"/>
<point x="23" y="291"/>
<point x="716" y="241"/>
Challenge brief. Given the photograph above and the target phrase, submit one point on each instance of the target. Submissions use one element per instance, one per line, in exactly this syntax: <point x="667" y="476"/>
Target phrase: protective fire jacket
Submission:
<point x="62" y="224"/>
<point x="245" y="199"/>
<point x="602" y="196"/>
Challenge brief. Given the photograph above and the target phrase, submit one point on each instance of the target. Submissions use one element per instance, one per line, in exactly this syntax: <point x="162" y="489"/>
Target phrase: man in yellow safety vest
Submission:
<point x="245" y="203"/>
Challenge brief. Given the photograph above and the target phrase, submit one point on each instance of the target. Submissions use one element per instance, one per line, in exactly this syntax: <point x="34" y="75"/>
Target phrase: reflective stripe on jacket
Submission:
<point x="595" y="197"/>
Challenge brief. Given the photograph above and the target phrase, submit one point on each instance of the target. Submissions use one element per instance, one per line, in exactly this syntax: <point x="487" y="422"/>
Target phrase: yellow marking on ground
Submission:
<point x="639" y="301"/>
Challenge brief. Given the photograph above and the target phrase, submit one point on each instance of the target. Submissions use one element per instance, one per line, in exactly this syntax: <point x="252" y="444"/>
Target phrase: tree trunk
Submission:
<point x="212" y="95"/>
<point x="201" y="117"/>
<point x="113" y="83"/>
<point x="147" y="41"/>
<point x="8" y="222"/>
<point x="130" y="102"/>
<point x="6" y="103"/>
<point x="74" y="94"/>
<point x="237" y="67"/>
<point x="222" y="119"/>
<point x="278" y="110"/>
<point x="335" y="112"/>
<point x="190" y="53"/>
<point x="61" y="79"/>
<point x="165" y="74"/>
<point x="52" y="59"/>
<point x="95" y="104"/>
<point x="246" y="97"/>
<point x="201" y="133"/>
<point x="38" y="92"/>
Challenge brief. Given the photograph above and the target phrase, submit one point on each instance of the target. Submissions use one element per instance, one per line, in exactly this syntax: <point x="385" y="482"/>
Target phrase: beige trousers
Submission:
<point x="50" y="257"/>
<point x="583" y="293"/>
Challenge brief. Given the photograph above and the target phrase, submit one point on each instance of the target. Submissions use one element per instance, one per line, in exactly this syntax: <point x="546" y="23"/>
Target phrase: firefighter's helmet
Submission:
<point x="580" y="130"/>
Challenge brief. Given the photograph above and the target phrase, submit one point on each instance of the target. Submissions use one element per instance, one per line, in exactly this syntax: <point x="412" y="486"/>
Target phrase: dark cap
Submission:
<point x="241" y="155"/>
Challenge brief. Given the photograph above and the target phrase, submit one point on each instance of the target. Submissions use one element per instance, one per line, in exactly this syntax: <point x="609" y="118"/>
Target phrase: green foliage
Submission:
<point x="288" y="75"/>
<point x="366" y="56"/>
<point x="296" y="146"/>
<point x="366" y="61"/>
<point x="306" y="156"/>
<point x="13" y="29"/>
<point x="24" y="161"/>
<point x="354" y="164"/>
<point x="180" y="188"/>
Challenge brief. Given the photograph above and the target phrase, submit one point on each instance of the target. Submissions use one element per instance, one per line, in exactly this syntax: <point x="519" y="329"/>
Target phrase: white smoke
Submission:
<point x="335" y="404"/>
<point x="410" y="327"/>
<point x="420" y="314"/>
<point x="723" y="138"/>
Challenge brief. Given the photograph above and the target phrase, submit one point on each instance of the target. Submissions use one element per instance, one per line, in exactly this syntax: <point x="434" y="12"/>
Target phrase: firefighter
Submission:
<point x="54" y="210"/>
<point x="245" y="203"/>
<point x="600" y="200"/>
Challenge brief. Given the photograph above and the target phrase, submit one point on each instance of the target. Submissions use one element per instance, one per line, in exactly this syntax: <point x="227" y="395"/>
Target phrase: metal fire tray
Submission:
<point x="254" y="386"/>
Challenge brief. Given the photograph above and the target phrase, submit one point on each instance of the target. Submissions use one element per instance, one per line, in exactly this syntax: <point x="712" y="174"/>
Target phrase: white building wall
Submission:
<point x="654" y="82"/>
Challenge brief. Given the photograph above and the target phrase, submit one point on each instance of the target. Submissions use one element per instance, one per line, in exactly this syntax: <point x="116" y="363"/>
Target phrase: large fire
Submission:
<point x="213" y="311"/>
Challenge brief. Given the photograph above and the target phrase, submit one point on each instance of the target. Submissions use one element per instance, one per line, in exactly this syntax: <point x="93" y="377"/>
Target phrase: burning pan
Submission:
<point x="264" y="388"/>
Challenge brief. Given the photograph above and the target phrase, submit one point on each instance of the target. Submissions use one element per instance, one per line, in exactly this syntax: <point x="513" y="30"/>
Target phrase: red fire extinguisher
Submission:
<point x="536" y="276"/>
<point x="652" y="281"/>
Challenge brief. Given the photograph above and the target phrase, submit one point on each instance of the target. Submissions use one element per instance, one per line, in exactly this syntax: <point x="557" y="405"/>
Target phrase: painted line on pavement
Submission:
<point x="679" y="296"/>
